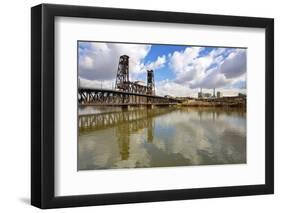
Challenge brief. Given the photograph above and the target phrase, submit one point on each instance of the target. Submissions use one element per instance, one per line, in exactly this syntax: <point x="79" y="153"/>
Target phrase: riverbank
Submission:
<point x="223" y="102"/>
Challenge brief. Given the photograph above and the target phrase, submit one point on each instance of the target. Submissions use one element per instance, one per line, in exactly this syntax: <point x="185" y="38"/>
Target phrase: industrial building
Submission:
<point x="209" y="95"/>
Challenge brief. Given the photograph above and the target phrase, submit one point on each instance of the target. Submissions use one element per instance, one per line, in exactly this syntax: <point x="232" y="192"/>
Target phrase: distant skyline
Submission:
<point x="178" y="70"/>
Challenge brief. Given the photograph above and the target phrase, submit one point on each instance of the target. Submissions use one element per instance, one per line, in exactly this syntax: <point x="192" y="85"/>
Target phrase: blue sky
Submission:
<point x="178" y="70"/>
<point x="160" y="50"/>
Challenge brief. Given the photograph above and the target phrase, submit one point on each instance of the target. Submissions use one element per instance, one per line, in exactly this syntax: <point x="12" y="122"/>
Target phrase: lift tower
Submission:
<point x="150" y="83"/>
<point x="122" y="78"/>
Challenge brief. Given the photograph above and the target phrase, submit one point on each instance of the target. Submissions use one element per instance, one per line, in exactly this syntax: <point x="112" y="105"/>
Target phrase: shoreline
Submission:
<point x="220" y="102"/>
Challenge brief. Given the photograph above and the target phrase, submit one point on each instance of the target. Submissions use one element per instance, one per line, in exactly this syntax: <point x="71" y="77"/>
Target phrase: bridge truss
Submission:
<point x="104" y="97"/>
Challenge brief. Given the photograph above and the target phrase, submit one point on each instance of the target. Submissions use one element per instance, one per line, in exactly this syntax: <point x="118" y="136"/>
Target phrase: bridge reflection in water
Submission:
<point x="126" y="123"/>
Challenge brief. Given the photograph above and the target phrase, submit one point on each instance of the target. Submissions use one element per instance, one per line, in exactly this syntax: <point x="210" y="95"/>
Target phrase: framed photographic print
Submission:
<point x="139" y="106"/>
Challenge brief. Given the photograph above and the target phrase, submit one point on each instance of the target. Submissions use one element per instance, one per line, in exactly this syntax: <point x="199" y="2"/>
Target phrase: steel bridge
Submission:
<point x="106" y="97"/>
<point x="126" y="92"/>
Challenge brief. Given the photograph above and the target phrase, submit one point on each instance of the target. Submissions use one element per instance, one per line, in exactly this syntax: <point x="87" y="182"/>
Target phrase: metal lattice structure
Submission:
<point x="104" y="97"/>
<point x="123" y="82"/>
<point x="126" y="92"/>
<point x="122" y="77"/>
<point x="150" y="83"/>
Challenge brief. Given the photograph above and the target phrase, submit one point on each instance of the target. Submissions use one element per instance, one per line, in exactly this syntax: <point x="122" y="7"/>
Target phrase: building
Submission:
<point x="219" y="94"/>
<point x="214" y="92"/>
<point x="207" y="95"/>
<point x="204" y="95"/>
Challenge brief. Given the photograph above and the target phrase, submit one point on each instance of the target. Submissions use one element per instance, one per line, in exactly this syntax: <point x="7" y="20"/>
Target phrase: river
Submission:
<point x="160" y="137"/>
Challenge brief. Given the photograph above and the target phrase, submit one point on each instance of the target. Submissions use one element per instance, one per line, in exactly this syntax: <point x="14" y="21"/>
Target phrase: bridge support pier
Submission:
<point x="125" y="107"/>
<point x="149" y="106"/>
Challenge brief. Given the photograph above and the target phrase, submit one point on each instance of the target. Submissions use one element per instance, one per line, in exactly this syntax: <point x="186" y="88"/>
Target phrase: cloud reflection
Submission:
<point x="179" y="137"/>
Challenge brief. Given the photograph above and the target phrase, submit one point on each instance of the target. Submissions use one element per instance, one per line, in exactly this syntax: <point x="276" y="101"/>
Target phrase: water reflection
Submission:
<point x="161" y="137"/>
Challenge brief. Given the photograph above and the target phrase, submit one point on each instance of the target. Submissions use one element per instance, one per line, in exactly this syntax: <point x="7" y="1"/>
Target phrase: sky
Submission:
<point x="178" y="70"/>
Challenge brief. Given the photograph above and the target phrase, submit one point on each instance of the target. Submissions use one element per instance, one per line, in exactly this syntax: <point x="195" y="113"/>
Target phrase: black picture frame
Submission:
<point x="43" y="102"/>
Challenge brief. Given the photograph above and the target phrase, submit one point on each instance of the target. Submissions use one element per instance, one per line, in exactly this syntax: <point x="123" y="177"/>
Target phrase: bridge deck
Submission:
<point x="122" y="92"/>
<point x="108" y="97"/>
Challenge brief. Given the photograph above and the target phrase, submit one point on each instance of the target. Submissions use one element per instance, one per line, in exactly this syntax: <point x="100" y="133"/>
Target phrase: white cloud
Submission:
<point x="172" y="88"/>
<point x="159" y="63"/>
<point x="214" y="79"/>
<point x="182" y="61"/>
<point x="189" y="66"/>
<point x="105" y="84"/>
<point x="235" y="64"/>
<point x="208" y="70"/>
<point x="99" y="61"/>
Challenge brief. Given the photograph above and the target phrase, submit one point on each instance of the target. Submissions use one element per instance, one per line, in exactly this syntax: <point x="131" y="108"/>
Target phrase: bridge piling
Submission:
<point x="125" y="108"/>
<point x="149" y="106"/>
